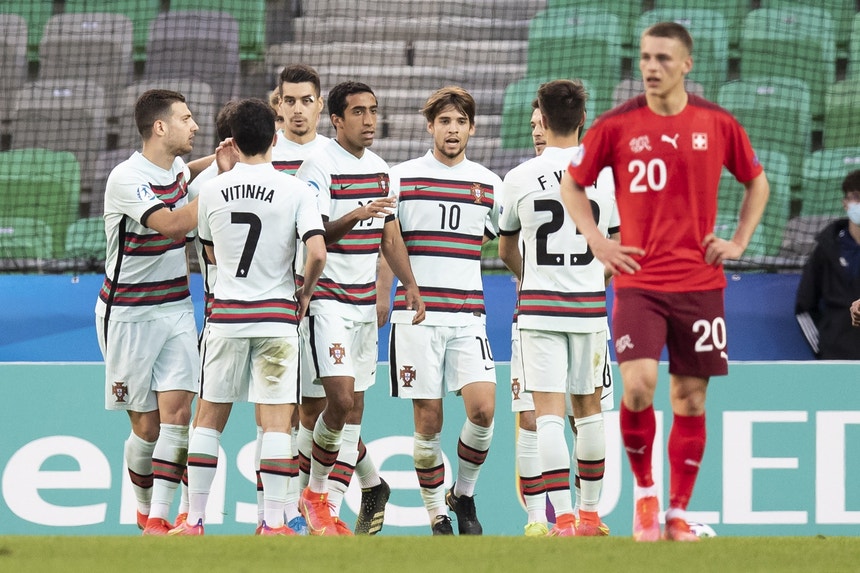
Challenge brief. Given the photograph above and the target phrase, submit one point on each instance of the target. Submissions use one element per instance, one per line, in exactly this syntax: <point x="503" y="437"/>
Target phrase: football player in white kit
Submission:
<point x="250" y="219"/>
<point x="340" y="330"/>
<point x="561" y="308"/>
<point x="448" y="208"/>
<point x="144" y="315"/>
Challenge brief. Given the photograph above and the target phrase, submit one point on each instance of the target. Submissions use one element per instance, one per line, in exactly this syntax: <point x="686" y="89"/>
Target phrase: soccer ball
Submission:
<point x="702" y="529"/>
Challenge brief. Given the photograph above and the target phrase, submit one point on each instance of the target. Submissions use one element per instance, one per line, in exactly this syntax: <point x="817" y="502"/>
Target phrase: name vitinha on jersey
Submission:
<point x="244" y="191"/>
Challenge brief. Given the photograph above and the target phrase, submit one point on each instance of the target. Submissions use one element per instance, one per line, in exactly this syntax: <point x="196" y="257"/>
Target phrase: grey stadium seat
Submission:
<point x="13" y="60"/>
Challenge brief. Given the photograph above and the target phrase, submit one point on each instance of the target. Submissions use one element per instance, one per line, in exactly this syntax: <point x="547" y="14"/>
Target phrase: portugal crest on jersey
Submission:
<point x="477" y="192"/>
<point x="407" y="375"/>
<point x="337" y="351"/>
<point x="120" y="391"/>
<point x="384" y="183"/>
<point x="515" y="388"/>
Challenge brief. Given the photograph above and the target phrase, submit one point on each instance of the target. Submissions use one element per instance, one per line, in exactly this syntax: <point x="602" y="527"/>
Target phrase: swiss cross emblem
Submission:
<point x="515" y="388"/>
<point x="477" y="192"/>
<point x="337" y="351"/>
<point x="384" y="182"/>
<point x="700" y="141"/>
<point x="407" y="375"/>
<point x="120" y="391"/>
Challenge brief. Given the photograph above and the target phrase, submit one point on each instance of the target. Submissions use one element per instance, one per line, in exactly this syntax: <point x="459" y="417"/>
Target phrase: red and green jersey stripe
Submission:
<point x="358" y="242"/>
<point x="149" y="245"/>
<point x="441" y="244"/>
<point x="288" y="167"/>
<point x="170" y="194"/>
<point x="371" y="186"/>
<point x="357" y="294"/>
<point x="145" y="294"/>
<point x="444" y="300"/>
<point x="428" y="189"/>
<point x="562" y="305"/>
<point x="243" y="311"/>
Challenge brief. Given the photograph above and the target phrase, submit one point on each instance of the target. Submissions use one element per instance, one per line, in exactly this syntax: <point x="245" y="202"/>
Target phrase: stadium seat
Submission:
<point x="733" y="11"/>
<point x="631" y="87"/>
<point x="41" y="184"/>
<point x="841" y="11"/>
<point x="801" y="232"/>
<point x="775" y="113"/>
<point x="317" y="30"/>
<point x="25" y="243"/>
<point x="200" y="100"/>
<point x="36" y="14"/>
<point x="854" y="49"/>
<point x="198" y="45"/>
<point x="85" y="240"/>
<point x="711" y="42"/>
<point x="842" y="114"/>
<point x="427" y="78"/>
<point x="413" y="125"/>
<point x="140" y="12"/>
<point x="577" y="43"/>
<point x="97" y="46"/>
<point x="791" y="41"/>
<point x="13" y="60"/>
<point x="320" y="56"/>
<point x="821" y="182"/>
<point x="105" y="162"/>
<point x="250" y="14"/>
<point x="517" y="112"/>
<point x="520" y="10"/>
<point x="627" y="12"/>
<point x="767" y="239"/>
<point x="488" y="101"/>
<point x="62" y="115"/>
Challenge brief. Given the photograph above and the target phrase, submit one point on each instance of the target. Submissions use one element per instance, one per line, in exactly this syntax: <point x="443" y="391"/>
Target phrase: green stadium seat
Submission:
<point x="44" y="185"/>
<point x="711" y="42"/>
<point x="627" y="11"/>
<point x="821" y="182"/>
<point x="842" y="114"/>
<point x="517" y="112"/>
<point x="85" y="239"/>
<point x="36" y="13"/>
<point x="24" y="239"/>
<point x="577" y="43"/>
<point x="13" y="61"/>
<point x="854" y="49"/>
<point x="767" y="239"/>
<point x="775" y="114"/>
<point x="140" y="12"/>
<point x="631" y="87"/>
<point x="733" y="11"/>
<point x="791" y="41"/>
<point x="842" y="12"/>
<point x="251" y="15"/>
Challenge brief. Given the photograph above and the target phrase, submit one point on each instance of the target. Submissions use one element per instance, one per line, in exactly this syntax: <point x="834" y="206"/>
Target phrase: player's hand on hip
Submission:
<point x="617" y="258"/>
<point x="718" y="250"/>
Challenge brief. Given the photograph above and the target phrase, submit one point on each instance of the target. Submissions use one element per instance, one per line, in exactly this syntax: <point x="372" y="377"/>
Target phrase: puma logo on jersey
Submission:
<point x="623" y="344"/>
<point x="671" y="140"/>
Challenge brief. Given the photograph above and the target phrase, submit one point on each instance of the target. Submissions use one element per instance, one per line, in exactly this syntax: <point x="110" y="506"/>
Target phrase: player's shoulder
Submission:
<point x="699" y="102"/>
<point x="408" y="166"/>
<point x="374" y="161"/>
<point x="622" y="111"/>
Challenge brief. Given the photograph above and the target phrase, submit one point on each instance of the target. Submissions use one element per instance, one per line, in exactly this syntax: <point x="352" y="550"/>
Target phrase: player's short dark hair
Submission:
<point x="298" y="74"/>
<point x="851" y="183"/>
<point x="562" y="103"/>
<point x="338" y="94"/>
<point x="454" y="96"/>
<point x="151" y="106"/>
<point x="535" y="104"/>
<point x="222" y="120"/>
<point x="671" y="30"/>
<point x="253" y="126"/>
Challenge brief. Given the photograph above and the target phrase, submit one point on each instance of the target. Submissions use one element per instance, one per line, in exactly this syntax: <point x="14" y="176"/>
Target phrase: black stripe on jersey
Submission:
<point x="392" y="362"/>
<point x="312" y="341"/>
<point x="114" y="282"/>
<point x="150" y="211"/>
<point x="313" y="233"/>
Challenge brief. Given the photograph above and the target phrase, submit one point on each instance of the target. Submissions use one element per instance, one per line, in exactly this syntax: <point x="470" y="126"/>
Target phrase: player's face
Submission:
<point x="537" y="132"/>
<point x="450" y="130"/>
<point x="300" y="107"/>
<point x="355" y="130"/>
<point x="663" y="62"/>
<point x="180" y="128"/>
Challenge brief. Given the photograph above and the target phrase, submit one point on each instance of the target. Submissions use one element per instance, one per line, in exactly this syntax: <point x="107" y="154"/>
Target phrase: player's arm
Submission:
<point x="173" y="223"/>
<point x="315" y="257"/>
<point x="607" y="276"/>
<point x="378" y="208"/>
<point x="509" y="252"/>
<point x="756" y="192"/>
<point x="210" y="254"/>
<point x="384" y="282"/>
<point x="616" y="257"/>
<point x="395" y="253"/>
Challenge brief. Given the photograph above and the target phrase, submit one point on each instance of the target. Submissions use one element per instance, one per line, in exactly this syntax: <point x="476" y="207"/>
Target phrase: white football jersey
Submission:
<point x="444" y="214"/>
<point x="207" y="269"/>
<point x="287" y="156"/>
<point x="252" y="216"/>
<point x="146" y="274"/>
<point x="344" y="182"/>
<point x="562" y="287"/>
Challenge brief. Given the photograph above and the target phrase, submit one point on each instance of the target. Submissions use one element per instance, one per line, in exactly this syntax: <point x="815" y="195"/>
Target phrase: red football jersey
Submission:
<point x="667" y="175"/>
